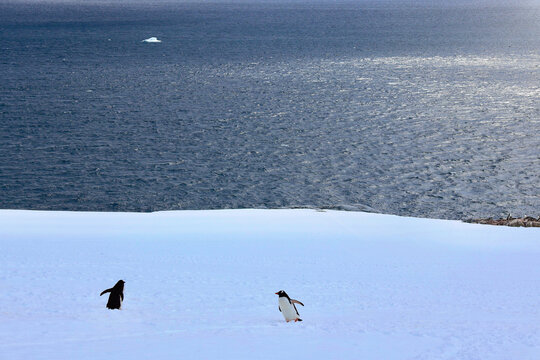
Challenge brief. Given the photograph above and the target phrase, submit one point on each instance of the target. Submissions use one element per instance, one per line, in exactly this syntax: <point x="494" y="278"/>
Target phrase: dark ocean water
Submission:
<point x="421" y="111"/>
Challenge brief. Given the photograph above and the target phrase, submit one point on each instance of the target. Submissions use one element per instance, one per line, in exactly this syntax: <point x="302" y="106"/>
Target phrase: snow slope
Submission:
<point x="201" y="284"/>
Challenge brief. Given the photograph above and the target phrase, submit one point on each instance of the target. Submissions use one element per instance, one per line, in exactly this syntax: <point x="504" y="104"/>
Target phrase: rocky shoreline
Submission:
<point x="526" y="221"/>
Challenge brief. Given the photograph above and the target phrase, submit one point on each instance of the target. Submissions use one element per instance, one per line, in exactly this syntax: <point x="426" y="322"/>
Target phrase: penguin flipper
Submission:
<point x="105" y="291"/>
<point x="296" y="301"/>
<point x="279" y="307"/>
<point x="122" y="296"/>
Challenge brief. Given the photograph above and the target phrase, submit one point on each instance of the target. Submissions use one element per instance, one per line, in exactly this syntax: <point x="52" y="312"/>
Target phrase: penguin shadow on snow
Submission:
<point x="116" y="295"/>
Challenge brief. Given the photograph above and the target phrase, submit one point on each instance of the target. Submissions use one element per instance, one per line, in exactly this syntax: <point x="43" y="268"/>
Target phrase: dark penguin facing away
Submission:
<point x="117" y="295"/>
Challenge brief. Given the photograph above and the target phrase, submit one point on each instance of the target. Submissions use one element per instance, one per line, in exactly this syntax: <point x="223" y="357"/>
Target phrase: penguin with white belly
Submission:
<point x="287" y="307"/>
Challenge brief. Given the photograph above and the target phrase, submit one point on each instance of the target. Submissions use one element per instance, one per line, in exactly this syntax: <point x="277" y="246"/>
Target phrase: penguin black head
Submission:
<point x="282" y="293"/>
<point x="119" y="284"/>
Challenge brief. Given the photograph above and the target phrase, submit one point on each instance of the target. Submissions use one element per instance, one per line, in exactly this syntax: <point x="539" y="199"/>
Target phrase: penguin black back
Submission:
<point x="117" y="295"/>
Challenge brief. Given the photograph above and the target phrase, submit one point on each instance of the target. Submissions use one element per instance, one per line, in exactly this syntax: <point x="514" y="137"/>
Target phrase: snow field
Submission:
<point x="201" y="284"/>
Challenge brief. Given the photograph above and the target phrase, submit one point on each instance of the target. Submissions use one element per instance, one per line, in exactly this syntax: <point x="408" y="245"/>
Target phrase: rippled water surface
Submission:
<point x="414" y="111"/>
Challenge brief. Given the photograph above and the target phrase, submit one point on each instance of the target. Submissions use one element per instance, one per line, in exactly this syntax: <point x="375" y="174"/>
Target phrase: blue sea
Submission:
<point x="420" y="110"/>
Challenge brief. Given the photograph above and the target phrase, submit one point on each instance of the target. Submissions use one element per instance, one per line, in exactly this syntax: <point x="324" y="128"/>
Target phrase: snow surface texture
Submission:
<point x="201" y="284"/>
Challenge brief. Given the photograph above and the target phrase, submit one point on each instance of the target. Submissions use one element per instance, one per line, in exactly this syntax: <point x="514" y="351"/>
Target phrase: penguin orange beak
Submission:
<point x="276" y="293"/>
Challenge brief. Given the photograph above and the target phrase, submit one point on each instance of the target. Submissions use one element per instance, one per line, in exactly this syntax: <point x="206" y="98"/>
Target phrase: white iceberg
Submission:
<point x="152" y="39"/>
